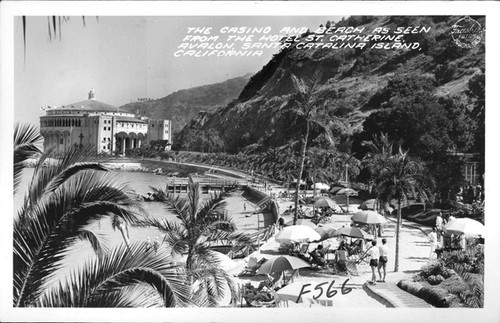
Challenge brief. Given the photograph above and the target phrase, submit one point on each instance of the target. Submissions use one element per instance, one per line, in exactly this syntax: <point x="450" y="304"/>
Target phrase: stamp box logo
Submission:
<point x="466" y="32"/>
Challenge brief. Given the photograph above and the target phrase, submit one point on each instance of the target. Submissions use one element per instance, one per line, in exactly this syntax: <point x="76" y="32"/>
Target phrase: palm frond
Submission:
<point x="175" y="234"/>
<point x="26" y="139"/>
<point x="106" y="282"/>
<point x="48" y="227"/>
<point x="70" y="171"/>
<point x="91" y="237"/>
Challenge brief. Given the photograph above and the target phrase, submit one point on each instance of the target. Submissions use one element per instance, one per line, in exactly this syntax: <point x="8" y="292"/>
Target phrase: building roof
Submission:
<point x="92" y="105"/>
<point x="128" y="119"/>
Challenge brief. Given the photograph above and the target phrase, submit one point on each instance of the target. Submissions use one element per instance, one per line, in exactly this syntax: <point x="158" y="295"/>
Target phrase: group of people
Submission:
<point x="471" y="194"/>
<point x="378" y="260"/>
<point x="438" y="239"/>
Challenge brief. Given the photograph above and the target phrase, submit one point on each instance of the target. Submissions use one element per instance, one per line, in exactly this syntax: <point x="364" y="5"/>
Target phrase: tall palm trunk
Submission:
<point x="398" y="226"/>
<point x="301" y="170"/>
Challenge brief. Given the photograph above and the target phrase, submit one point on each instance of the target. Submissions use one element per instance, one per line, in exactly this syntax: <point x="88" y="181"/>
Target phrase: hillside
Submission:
<point x="184" y="105"/>
<point x="353" y="83"/>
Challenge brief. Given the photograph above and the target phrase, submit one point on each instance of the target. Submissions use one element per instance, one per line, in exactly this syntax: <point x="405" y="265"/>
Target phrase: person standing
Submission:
<point x="382" y="261"/>
<point x="244" y="207"/>
<point x="439" y="228"/>
<point x="433" y="240"/>
<point x="374" y="254"/>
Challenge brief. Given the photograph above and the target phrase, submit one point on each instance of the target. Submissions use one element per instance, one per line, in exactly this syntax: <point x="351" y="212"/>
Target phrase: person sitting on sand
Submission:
<point x="318" y="256"/>
<point x="252" y="294"/>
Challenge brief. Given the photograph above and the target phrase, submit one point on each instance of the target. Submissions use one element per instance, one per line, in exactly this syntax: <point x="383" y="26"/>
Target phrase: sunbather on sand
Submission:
<point x="252" y="294"/>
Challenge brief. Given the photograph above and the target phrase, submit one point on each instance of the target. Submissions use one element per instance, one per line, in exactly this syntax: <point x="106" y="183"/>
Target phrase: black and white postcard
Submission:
<point x="249" y="161"/>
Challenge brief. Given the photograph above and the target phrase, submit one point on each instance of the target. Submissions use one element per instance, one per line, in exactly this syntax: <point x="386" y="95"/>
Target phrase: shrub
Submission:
<point x="455" y="285"/>
<point x="438" y="297"/>
<point x="435" y="279"/>
<point x="410" y="286"/>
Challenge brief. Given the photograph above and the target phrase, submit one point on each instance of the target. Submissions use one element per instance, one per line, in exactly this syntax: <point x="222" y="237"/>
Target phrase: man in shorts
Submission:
<point x="382" y="261"/>
<point x="374" y="254"/>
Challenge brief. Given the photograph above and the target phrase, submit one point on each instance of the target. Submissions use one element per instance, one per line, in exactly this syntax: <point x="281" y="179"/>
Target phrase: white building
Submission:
<point x="107" y="128"/>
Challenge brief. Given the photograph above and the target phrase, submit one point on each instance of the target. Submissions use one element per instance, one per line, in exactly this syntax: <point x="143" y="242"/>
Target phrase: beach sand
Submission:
<point x="414" y="252"/>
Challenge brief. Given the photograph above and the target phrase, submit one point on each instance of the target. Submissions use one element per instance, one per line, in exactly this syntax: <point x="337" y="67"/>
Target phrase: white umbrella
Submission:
<point x="297" y="233"/>
<point x="465" y="226"/>
<point x="322" y="186"/>
<point x="305" y="222"/>
<point x="347" y="192"/>
<point x="368" y="217"/>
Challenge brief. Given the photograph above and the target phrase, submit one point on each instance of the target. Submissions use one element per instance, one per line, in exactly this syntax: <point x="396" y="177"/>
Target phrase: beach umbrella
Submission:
<point x="354" y="232"/>
<point x="305" y="222"/>
<point x="466" y="226"/>
<point x="292" y="291"/>
<point x="282" y="263"/>
<point x="326" y="232"/>
<point x="347" y="192"/>
<point x="370" y="204"/>
<point x="322" y="186"/>
<point x="297" y="233"/>
<point x="368" y="217"/>
<point x="335" y="189"/>
<point x="325" y="201"/>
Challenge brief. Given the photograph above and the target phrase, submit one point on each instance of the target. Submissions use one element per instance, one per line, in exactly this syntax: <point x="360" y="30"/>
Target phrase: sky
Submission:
<point x="124" y="58"/>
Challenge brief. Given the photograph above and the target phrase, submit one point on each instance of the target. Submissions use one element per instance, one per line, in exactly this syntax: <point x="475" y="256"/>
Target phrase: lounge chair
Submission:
<point x="251" y="296"/>
<point x="252" y="267"/>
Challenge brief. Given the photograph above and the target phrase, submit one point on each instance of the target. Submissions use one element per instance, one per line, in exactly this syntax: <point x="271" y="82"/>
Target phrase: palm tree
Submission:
<point x="202" y="224"/>
<point x="306" y="105"/>
<point x="400" y="176"/>
<point x="317" y="167"/>
<point x="377" y="159"/>
<point x="62" y="200"/>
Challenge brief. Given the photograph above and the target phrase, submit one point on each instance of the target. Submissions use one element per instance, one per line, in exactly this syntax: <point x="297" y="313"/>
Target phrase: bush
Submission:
<point x="455" y="285"/>
<point x="435" y="279"/>
<point x="438" y="297"/>
<point x="410" y="286"/>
